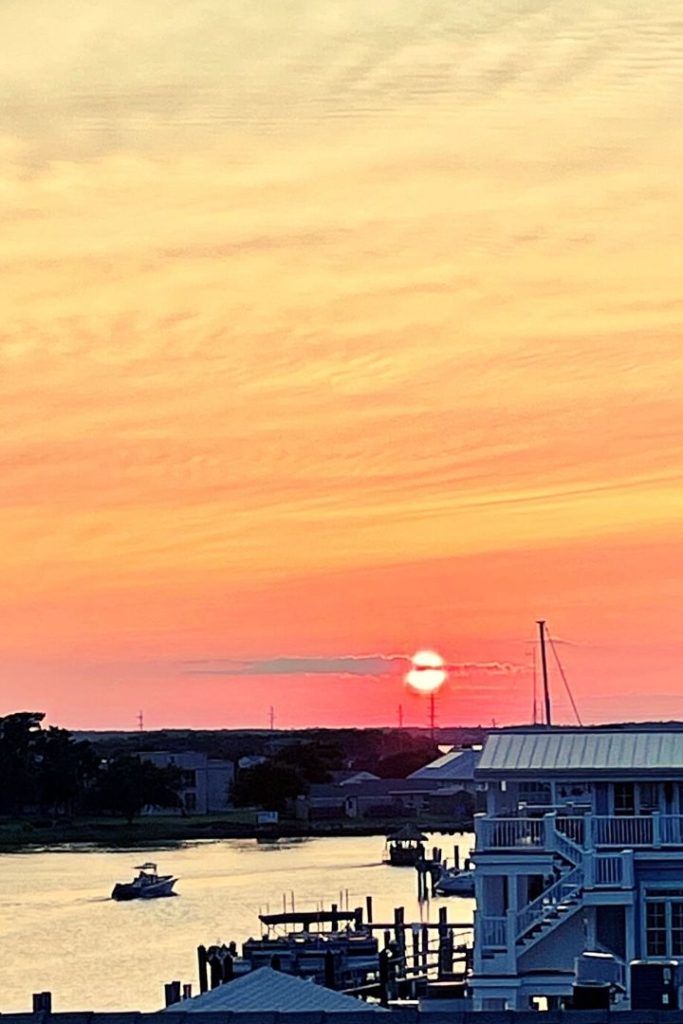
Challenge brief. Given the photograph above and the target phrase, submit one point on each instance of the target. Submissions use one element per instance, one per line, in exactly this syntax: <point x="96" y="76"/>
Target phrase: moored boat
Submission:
<point x="455" y="882"/>
<point x="147" y="885"/>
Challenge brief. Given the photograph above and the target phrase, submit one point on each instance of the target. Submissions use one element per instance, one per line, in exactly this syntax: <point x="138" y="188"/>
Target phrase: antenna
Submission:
<point x="432" y="714"/>
<point x="271" y="718"/>
<point x="400" y="716"/>
<point x="141" y="722"/>
<point x="534" y="667"/>
<point x="544" y="666"/>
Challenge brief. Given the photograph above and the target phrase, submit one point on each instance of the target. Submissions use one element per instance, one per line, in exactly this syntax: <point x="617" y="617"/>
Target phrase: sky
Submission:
<point x="331" y="332"/>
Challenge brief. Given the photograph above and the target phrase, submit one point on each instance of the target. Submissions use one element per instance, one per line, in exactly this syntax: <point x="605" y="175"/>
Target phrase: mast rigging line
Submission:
<point x="564" y="678"/>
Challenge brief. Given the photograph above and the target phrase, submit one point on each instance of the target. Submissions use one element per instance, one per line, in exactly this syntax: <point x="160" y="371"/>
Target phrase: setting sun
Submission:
<point x="427" y="673"/>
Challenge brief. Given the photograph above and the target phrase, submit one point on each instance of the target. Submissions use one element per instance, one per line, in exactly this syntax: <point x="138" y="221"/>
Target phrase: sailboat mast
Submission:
<point x="544" y="665"/>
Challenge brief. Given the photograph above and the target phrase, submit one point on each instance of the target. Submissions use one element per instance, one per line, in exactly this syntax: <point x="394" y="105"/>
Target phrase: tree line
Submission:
<point x="48" y="772"/>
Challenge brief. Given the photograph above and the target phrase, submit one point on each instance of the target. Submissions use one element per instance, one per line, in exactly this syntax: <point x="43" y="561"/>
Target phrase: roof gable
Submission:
<point x="267" y="990"/>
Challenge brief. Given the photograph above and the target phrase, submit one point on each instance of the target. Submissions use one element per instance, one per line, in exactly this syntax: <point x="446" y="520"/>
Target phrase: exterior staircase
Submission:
<point x="558" y="901"/>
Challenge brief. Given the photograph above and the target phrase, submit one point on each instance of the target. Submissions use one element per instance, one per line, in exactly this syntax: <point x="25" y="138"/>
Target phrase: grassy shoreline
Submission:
<point x="151" y="831"/>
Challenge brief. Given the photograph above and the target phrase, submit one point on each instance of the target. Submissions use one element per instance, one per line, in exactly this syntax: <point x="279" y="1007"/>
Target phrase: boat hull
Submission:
<point x="124" y="891"/>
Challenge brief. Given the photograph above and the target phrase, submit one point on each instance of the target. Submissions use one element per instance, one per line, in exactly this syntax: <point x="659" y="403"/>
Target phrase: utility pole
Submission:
<point x="271" y="718"/>
<point x="400" y="716"/>
<point x="544" y="666"/>
<point x="432" y="714"/>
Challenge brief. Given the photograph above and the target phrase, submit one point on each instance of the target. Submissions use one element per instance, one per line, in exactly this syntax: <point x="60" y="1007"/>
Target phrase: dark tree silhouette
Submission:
<point x="128" y="784"/>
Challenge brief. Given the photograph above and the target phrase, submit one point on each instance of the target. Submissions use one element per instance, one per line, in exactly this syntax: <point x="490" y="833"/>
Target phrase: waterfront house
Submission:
<point x="580" y="849"/>
<point x="205" y="785"/>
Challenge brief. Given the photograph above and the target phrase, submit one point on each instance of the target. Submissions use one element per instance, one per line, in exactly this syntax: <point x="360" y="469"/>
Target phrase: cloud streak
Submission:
<point x="342" y="665"/>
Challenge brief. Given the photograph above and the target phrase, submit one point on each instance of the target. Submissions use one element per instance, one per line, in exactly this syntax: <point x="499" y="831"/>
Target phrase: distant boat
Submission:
<point x="405" y="847"/>
<point x="455" y="882"/>
<point x="147" y="886"/>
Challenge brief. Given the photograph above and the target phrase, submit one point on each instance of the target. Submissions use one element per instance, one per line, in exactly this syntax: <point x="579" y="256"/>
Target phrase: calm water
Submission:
<point x="60" y="932"/>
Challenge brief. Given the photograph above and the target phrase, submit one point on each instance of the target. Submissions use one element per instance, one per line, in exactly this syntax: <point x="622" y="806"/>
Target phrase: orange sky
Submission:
<point x="335" y="330"/>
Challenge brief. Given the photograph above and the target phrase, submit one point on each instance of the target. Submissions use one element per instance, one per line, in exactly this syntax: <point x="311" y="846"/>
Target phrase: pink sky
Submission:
<point x="330" y="333"/>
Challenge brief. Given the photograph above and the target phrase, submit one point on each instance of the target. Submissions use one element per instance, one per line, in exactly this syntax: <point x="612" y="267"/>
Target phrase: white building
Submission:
<point x="580" y="849"/>
<point x="206" y="782"/>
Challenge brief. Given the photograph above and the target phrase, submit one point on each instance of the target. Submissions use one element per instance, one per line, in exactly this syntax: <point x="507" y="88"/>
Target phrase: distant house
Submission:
<point x="372" y="798"/>
<point x="454" y="769"/>
<point x="206" y="782"/>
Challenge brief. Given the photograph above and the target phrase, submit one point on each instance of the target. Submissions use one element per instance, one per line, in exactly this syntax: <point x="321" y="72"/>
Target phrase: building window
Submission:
<point x="190" y="801"/>
<point x="677" y="929"/>
<point x="664" y="925"/>
<point x="647" y="795"/>
<point x="655" y="924"/>
<point x="624" y="798"/>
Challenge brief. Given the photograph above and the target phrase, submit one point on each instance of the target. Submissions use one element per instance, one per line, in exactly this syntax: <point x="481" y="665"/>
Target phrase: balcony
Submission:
<point x="556" y="833"/>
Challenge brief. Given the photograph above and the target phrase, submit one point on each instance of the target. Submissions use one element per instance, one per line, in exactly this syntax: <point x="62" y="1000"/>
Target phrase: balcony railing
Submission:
<point x="560" y="834"/>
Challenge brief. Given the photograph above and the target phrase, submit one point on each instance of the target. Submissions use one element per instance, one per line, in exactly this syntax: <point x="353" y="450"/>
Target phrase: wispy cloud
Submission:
<point x="341" y="665"/>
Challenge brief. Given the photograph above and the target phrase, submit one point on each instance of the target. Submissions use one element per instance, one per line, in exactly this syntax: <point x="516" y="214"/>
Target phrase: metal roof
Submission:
<point x="457" y="765"/>
<point x="267" y="990"/>
<point x="585" y="751"/>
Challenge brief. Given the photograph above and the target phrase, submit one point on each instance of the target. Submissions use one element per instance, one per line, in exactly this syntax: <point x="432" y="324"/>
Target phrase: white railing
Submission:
<point x="573" y="835"/>
<point x="622" y="831"/>
<point x="557" y="895"/>
<point x="671" y="829"/>
<point x="505" y="833"/>
<point x="608" y="869"/>
<point x="573" y="829"/>
<point x="493" y="934"/>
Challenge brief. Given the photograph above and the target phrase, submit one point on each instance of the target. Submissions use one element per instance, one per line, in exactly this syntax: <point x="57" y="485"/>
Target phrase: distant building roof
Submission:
<point x="582" y="752"/>
<point x="371" y="788"/>
<point x="266" y="990"/>
<point x="455" y="766"/>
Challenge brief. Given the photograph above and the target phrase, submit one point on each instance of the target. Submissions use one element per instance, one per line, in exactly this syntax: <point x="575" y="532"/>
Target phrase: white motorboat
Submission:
<point x="455" y="882"/>
<point x="147" y="885"/>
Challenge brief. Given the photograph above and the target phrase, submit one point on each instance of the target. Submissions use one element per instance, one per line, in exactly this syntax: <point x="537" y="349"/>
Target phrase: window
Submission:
<point x="624" y="798"/>
<point x="664" y="924"/>
<point x="677" y="929"/>
<point x="190" y="801"/>
<point x="648" y="797"/>
<point x="655" y="924"/>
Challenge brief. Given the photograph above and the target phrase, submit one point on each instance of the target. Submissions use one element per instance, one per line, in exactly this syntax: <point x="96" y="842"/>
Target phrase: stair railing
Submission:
<point x="556" y="895"/>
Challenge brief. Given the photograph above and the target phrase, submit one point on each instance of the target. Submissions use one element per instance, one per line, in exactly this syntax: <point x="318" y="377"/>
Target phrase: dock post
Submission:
<point x="416" y="947"/>
<point x="387" y="937"/>
<point x="358" y="918"/>
<point x="330" y="974"/>
<point x="42" y="1002"/>
<point x="172" y="993"/>
<point x="202" y="971"/>
<point x="456" y="858"/>
<point x="384" y="977"/>
<point x="400" y="930"/>
<point x="443" y="940"/>
<point x="368" y="908"/>
<point x="335" y="920"/>
<point x="425" y="946"/>
<point x="228" y="968"/>
<point x="215" y="971"/>
<point x="187" y="990"/>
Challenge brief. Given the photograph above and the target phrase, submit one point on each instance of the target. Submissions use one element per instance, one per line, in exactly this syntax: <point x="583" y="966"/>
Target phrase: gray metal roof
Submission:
<point x="456" y="766"/>
<point x="584" y="751"/>
<point x="267" y="990"/>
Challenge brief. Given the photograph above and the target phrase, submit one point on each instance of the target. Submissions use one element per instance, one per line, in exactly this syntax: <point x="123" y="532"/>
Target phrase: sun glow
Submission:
<point x="427" y="672"/>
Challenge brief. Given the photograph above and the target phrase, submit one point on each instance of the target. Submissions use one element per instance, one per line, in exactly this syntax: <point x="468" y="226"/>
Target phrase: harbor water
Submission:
<point x="60" y="931"/>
